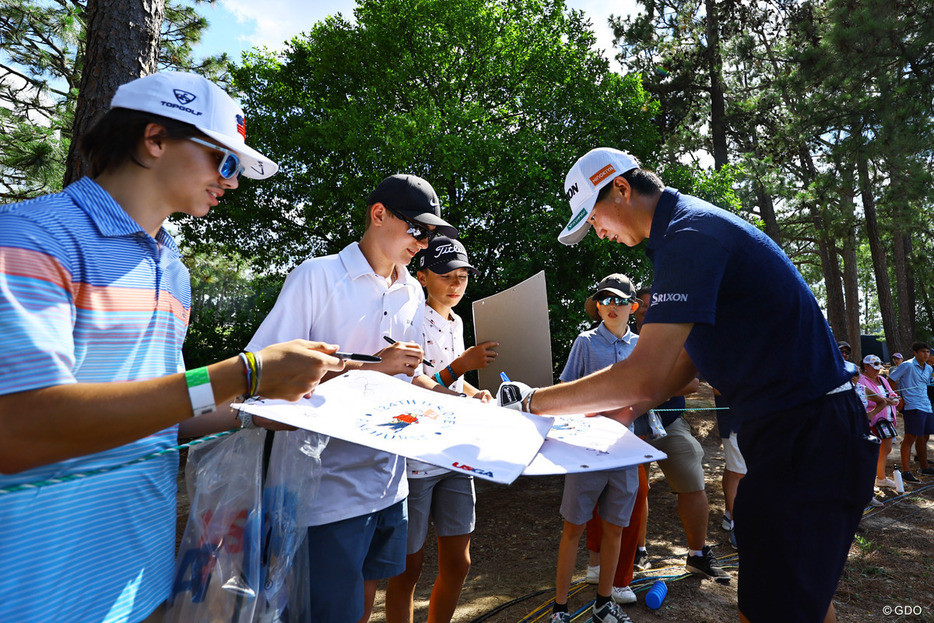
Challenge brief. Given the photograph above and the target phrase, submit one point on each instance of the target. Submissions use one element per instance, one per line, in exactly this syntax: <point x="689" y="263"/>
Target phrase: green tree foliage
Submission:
<point x="828" y="118"/>
<point x="856" y="85"/>
<point x="490" y="101"/>
<point x="41" y="54"/>
<point x="228" y="303"/>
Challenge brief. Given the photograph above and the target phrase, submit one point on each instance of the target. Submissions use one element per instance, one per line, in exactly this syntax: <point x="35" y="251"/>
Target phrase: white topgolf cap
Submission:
<point x="594" y="170"/>
<point x="193" y="99"/>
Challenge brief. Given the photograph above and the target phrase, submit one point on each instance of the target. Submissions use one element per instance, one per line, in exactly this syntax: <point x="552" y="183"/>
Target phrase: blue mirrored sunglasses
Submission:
<point x="419" y="232"/>
<point x="613" y="300"/>
<point x="229" y="165"/>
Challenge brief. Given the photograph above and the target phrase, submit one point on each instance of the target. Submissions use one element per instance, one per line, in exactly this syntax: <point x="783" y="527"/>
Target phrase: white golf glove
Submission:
<point x="512" y="394"/>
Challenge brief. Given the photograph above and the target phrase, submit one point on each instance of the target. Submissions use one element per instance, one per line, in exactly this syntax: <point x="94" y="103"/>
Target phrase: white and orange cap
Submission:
<point x="193" y="99"/>
<point x="590" y="173"/>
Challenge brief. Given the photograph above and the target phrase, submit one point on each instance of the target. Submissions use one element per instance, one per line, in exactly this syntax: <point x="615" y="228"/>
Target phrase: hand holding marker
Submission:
<point x="392" y="341"/>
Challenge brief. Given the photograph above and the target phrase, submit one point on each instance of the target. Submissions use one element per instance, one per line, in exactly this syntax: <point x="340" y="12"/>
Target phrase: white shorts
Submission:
<point x="734" y="459"/>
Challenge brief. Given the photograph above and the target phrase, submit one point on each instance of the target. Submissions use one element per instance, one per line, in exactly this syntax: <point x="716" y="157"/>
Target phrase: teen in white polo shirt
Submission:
<point x="359" y="297"/>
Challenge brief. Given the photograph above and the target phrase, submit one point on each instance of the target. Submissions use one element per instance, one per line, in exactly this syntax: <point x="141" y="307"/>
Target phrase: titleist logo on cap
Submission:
<point x="445" y="248"/>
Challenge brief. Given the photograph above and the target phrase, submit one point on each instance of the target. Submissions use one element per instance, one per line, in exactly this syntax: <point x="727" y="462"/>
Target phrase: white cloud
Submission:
<point x="237" y="25"/>
<point x="276" y="21"/>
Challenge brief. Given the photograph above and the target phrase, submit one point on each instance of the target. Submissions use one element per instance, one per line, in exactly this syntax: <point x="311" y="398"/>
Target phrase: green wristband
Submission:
<point x="200" y="391"/>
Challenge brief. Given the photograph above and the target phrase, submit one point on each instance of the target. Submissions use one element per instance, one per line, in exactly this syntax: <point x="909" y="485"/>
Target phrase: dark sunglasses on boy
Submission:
<point x="614" y="300"/>
<point x="229" y="165"/>
<point x="417" y="231"/>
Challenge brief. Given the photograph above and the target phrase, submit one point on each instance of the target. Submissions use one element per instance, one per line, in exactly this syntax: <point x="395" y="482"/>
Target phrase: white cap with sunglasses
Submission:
<point x="192" y="99"/>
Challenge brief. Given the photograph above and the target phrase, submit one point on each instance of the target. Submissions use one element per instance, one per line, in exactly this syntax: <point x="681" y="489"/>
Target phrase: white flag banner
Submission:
<point x="577" y="443"/>
<point x="383" y="412"/>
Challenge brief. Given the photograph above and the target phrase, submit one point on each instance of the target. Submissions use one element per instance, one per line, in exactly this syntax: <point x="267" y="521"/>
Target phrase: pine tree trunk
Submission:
<point x="122" y="44"/>
<point x="827" y="251"/>
<point x="904" y="289"/>
<point x="851" y="293"/>
<point x="767" y="212"/>
<point x="879" y="264"/>
<point x="836" y="309"/>
<point x="717" y="104"/>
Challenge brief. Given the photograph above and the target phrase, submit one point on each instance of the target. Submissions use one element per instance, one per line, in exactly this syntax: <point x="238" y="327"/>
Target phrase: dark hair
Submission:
<point x="115" y="137"/>
<point x="643" y="291"/>
<point x="919" y="346"/>
<point x="640" y="180"/>
<point x="644" y="182"/>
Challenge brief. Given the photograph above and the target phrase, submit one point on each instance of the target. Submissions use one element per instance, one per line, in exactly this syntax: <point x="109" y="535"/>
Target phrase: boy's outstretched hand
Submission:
<point x="479" y="356"/>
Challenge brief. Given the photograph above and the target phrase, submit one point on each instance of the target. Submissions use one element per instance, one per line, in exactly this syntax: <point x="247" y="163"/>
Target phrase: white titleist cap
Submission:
<point x="194" y="99"/>
<point x="594" y="170"/>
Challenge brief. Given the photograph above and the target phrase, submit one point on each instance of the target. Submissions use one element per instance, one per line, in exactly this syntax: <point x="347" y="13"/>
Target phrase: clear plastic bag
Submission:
<point x="291" y="484"/>
<point x="217" y="570"/>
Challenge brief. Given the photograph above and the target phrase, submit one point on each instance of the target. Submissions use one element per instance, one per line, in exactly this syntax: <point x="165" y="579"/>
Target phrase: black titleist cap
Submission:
<point x="442" y="256"/>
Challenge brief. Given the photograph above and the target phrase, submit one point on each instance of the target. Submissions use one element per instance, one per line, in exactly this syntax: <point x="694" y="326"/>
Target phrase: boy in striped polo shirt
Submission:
<point x="94" y="306"/>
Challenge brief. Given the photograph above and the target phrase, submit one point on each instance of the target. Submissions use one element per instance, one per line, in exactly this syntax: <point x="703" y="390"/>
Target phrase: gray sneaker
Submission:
<point x="610" y="613"/>
<point x="706" y="566"/>
<point x="560" y="617"/>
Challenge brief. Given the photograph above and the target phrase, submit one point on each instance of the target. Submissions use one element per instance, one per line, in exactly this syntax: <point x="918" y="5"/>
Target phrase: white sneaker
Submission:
<point x="876" y="502"/>
<point x="623" y="595"/>
<point x="593" y="574"/>
<point x="885" y="482"/>
<point x="726" y="524"/>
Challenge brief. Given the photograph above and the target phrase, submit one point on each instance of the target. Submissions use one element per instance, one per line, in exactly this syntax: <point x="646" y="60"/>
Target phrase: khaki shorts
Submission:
<point x="684" y="467"/>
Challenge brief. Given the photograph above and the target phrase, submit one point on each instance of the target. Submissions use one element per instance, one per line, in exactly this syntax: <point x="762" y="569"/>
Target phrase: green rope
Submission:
<point x="104" y="470"/>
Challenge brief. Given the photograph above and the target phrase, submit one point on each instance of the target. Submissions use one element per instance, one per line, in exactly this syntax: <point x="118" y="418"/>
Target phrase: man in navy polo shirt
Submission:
<point x="723" y="294"/>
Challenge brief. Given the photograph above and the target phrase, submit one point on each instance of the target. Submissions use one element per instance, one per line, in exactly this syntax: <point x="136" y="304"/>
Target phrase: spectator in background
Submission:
<point x="880" y="409"/>
<point x="913" y="377"/>
<point x="847" y="352"/>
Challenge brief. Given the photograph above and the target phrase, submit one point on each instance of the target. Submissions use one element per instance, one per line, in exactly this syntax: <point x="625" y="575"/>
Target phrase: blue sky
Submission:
<point x="240" y="25"/>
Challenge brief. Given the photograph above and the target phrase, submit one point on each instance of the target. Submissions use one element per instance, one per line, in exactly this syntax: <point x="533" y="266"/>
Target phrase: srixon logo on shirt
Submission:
<point x="669" y="297"/>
